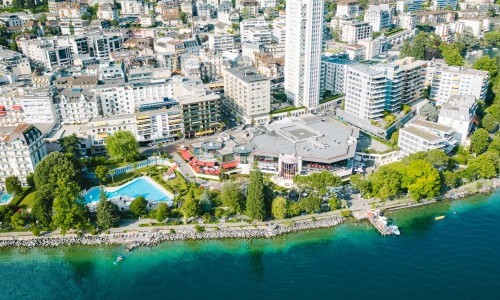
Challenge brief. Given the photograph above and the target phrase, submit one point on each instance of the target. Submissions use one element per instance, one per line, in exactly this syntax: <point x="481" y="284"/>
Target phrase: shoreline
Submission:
<point x="151" y="236"/>
<point x="155" y="237"/>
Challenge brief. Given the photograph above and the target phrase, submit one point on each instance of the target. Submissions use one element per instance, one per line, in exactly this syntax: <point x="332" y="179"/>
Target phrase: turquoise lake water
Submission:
<point x="133" y="189"/>
<point x="455" y="258"/>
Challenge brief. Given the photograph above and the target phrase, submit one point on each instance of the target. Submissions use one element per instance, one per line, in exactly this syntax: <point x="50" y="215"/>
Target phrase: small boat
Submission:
<point x="439" y="218"/>
<point x="118" y="259"/>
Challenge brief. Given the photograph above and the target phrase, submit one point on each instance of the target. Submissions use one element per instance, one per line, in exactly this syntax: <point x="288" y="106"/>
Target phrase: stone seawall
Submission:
<point x="158" y="236"/>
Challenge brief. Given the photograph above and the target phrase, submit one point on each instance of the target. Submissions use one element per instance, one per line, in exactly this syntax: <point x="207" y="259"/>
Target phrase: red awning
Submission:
<point x="2" y="108"/>
<point x="201" y="163"/>
<point x="210" y="164"/>
<point x="186" y="155"/>
<point x="17" y="107"/>
<point x="194" y="160"/>
<point x="229" y="165"/>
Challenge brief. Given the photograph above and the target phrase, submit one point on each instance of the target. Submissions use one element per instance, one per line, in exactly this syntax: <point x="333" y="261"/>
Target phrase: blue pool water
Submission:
<point x="4" y="197"/>
<point x="135" y="188"/>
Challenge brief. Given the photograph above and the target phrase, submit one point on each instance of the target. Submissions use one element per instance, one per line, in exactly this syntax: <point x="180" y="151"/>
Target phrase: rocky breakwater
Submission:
<point x="148" y="239"/>
<point x="52" y="241"/>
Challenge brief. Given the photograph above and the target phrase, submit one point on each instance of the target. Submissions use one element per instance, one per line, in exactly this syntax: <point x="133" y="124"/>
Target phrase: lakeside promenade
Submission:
<point x="138" y="233"/>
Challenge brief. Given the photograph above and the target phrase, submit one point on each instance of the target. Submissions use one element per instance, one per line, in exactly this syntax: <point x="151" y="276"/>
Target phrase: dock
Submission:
<point x="381" y="224"/>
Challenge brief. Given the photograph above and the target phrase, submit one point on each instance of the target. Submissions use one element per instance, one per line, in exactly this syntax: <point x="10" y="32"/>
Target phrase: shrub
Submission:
<point x="199" y="229"/>
<point x="345" y="213"/>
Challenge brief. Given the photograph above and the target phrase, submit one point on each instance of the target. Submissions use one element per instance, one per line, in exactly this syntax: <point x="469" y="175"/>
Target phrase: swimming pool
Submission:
<point x="5" y="198"/>
<point x="142" y="186"/>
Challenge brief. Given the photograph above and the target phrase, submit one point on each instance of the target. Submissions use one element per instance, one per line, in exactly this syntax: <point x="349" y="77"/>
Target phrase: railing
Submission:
<point x="133" y="166"/>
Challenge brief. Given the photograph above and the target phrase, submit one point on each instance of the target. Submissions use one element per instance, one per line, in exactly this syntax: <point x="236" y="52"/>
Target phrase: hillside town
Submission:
<point x="253" y="109"/>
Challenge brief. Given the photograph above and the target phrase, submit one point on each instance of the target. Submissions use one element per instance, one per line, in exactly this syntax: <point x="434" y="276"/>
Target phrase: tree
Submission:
<point x="122" y="145"/>
<point x="279" y="208"/>
<point x="424" y="179"/>
<point x="416" y="47"/>
<point x="107" y="212"/>
<point x="205" y="203"/>
<point x="363" y="185"/>
<point x="70" y="144"/>
<point x="162" y="211"/>
<point x="487" y="63"/>
<point x="318" y="181"/>
<point x="42" y="208"/>
<point x="468" y="39"/>
<point x="30" y="180"/>
<point x="479" y="141"/>
<point x="492" y="38"/>
<point x="13" y="185"/>
<point x="255" y="204"/>
<point x="311" y="204"/>
<point x="494" y="145"/>
<point x="232" y="197"/>
<point x="56" y="167"/>
<point x="71" y="29"/>
<point x="18" y="220"/>
<point x="436" y="157"/>
<point x="450" y="179"/>
<point x="190" y="206"/>
<point x="115" y="23"/>
<point x="489" y="123"/>
<point x="101" y="172"/>
<point x="138" y="206"/>
<point x="334" y="203"/>
<point x="69" y="211"/>
<point x="430" y="111"/>
<point x="385" y="182"/>
<point x="484" y="166"/>
<point x="452" y="55"/>
<point x="184" y="17"/>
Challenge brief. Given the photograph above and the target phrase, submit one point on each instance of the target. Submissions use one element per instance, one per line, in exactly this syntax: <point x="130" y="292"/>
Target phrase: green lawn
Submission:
<point x="28" y="201"/>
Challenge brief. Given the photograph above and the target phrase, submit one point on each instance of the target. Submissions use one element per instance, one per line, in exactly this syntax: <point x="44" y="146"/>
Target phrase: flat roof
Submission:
<point x="247" y="74"/>
<point x="191" y="99"/>
<point x="432" y="125"/>
<point x="421" y="133"/>
<point x="312" y="138"/>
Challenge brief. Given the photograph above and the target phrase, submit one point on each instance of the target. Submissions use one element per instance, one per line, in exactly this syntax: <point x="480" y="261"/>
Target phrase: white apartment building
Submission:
<point x="459" y="113"/>
<point x="279" y="31"/>
<point x="365" y="91"/>
<point x="413" y="78"/>
<point x="267" y="3"/>
<point x="258" y="35"/>
<point x="409" y="5"/>
<point x="333" y="71"/>
<point x="248" y="92"/>
<point x="134" y="7"/>
<point x="303" y="47"/>
<point x="160" y="125"/>
<point x="118" y="99"/>
<point x="253" y="22"/>
<point x="379" y="16"/>
<point x="76" y="106"/>
<point x="407" y="21"/>
<point x="354" y="31"/>
<point x="45" y="53"/>
<point x="220" y="42"/>
<point x="22" y="147"/>
<point x="101" y="127"/>
<point x="446" y="81"/>
<point x="347" y="8"/>
<point x="420" y="135"/>
<point x="107" y="11"/>
<point x="371" y="89"/>
<point x="12" y="65"/>
<point x="26" y="105"/>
